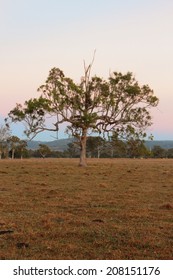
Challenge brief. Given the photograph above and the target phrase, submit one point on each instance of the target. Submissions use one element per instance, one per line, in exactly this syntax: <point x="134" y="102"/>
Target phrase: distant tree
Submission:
<point x="117" y="146"/>
<point x="73" y="150"/>
<point x="94" y="105"/>
<point x="44" y="150"/>
<point x="58" y="154"/>
<point x="21" y="149"/>
<point x="132" y="146"/>
<point x="94" y="146"/>
<point x="4" y="135"/>
<point x="136" y="148"/>
<point x="24" y="153"/>
<point x="33" y="153"/>
<point x="158" y="152"/>
<point x="13" y="142"/>
<point x="170" y="153"/>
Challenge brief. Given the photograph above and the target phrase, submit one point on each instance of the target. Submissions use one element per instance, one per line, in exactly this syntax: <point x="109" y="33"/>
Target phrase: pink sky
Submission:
<point x="129" y="35"/>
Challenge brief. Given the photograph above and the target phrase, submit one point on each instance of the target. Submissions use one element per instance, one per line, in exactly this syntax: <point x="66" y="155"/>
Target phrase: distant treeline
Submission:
<point x="97" y="147"/>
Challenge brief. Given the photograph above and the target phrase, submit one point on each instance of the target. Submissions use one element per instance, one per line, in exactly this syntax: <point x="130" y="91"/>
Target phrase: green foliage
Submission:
<point x="136" y="148"/>
<point x="119" y="104"/>
<point x="95" y="146"/>
<point x="158" y="152"/>
<point x="16" y="145"/>
<point x="44" y="150"/>
<point x="170" y="153"/>
<point x="73" y="150"/>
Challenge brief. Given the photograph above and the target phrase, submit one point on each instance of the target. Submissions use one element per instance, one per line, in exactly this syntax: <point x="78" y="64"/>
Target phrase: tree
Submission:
<point x="44" y="150"/>
<point x="22" y="148"/>
<point x="94" y="105"/>
<point x="117" y="146"/>
<point x="158" y="152"/>
<point x="94" y="145"/>
<point x="13" y="142"/>
<point x="136" y="148"/>
<point x="4" y="135"/>
<point x="73" y="149"/>
<point x="170" y="153"/>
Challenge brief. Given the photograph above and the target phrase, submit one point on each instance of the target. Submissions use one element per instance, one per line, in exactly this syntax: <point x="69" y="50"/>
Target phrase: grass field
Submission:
<point x="113" y="209"/>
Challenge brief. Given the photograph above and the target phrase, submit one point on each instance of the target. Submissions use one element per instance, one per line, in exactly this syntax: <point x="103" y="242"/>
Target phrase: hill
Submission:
<point x="62" y="144"/>
<point x="56" y="145"/>
<point x="165" y="144"/>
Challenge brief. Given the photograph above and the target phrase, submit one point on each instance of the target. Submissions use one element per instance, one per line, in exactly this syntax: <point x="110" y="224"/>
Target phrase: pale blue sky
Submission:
<point x="131" y="35"/>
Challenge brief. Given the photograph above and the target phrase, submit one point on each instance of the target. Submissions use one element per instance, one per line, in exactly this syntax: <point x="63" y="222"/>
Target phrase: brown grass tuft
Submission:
<point x="167" y="206"/>
<point x="103" y="185"/>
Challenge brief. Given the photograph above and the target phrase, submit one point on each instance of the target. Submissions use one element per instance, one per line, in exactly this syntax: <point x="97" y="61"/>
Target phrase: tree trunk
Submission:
<point x="98" y="152"/>
<point x="13" y="151"/>
<point x="83" y="148"/>
<point x="21" y="155"/>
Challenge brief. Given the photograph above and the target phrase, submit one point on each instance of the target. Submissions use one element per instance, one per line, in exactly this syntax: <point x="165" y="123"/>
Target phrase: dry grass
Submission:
<point x="113" y="209"/>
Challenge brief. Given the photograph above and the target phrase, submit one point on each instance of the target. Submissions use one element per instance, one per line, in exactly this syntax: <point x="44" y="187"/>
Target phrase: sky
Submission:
<point x="128" y="35"/>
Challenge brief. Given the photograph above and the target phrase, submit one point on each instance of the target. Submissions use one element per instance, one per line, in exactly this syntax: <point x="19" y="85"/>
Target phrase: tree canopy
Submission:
<point x="44" y="150"/>
<point x="118" y="104"/>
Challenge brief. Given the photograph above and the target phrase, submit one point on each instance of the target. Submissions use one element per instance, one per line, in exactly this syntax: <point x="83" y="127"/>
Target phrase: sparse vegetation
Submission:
<point x="113" y="209"/>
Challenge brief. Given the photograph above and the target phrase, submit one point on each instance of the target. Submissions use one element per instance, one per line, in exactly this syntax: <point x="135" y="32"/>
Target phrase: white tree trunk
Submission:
<point x="83" y="148"/>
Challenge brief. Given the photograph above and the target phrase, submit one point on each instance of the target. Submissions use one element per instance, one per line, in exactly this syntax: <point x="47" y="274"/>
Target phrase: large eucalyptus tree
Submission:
<point x="118" y="104"/>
